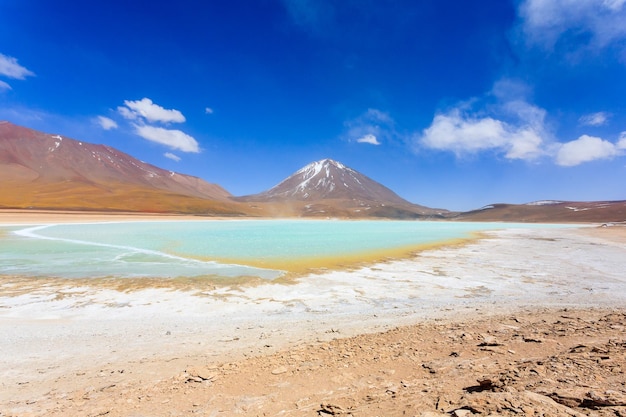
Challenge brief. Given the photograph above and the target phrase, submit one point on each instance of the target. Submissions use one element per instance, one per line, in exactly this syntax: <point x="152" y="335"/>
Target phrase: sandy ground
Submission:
<point x="536" y="315"/>
<point x="18" y="216"/>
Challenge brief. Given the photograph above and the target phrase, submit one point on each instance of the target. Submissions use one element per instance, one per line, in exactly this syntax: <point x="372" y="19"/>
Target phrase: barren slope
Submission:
<point x="42" y="170"/>
<point x="551" y="211"/>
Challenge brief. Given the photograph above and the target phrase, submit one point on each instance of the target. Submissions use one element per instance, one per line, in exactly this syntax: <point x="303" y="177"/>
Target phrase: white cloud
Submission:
<point x="208" y="110"/>
<point x="10" y="68"/>
<point x="512" y="126"/>
<point x="106" y="123"/>
<point x="516" y="129"/>
<point x="594" y="119"/>
<point x="126" y="113"/>
<point x="371" y="127"/>
<point x="600" y="22"/>
<point x="369" y="138"/>
<point x="4" y="86"/>
<point x="621" y="142"/>
<point x="172" y="156"/>
<point x="586" y="149"/>
<point x="175" y="139"/>
<point x="463" y="134"/>
<point x="146" y="109"/>
<point x="502" y="121"/>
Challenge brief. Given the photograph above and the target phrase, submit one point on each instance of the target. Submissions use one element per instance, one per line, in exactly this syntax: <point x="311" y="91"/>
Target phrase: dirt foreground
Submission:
<point x="540" y="363"/>
<point x="518" y="324"/>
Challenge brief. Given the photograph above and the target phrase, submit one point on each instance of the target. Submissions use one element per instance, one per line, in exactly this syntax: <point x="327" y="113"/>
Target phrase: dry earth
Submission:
<point x="531" y="363"/>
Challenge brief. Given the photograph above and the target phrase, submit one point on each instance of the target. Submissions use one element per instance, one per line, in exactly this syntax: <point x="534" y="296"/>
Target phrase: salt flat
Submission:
<point x="49" y="331"/>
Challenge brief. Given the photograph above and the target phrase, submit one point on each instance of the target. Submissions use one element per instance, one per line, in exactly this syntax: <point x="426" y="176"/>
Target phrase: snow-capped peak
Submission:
<point x="329" y="179"/>
<point x="316" y="167"/>
<point x="323" y="176"/>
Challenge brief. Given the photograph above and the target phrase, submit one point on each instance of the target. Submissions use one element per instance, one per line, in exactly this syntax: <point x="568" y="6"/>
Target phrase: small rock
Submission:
<point x="199" y="374"/>
<point x="533" y="340"/>
<point x="332" y="409"/>
<point x="493" y="349"/>
<point x="489" y="340"/>
<point x="280" y="370"/>
<point x="609" y="398"/>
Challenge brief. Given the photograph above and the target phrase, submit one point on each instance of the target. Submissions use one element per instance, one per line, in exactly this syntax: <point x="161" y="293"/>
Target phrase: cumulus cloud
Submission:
<point x="594" y="119"/>
<point x="371" y="127"/>
<point x="144" y="115"/>
<point x="599" y="22"/>
<point x="145" y="109"/>
<point x="369" y="138"/>
<point x="4" y="86"/>
<point x="586" y="149"/>
<point x="106" y="123"/>
<point x="503" y="122"/>
<point x="175" y="139"/>
<point x="172" y="156"/>
<point x="208" y="110"/>
<point x="10" y="68"/>
<point x="516" y="129"/>
<point x="465" y="134"/>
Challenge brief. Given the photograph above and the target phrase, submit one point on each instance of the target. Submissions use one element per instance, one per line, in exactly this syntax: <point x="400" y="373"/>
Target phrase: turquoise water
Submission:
<point x="190" y="248"/>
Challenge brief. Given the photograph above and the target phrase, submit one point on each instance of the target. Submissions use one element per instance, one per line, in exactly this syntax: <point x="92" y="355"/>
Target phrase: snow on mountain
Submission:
<point x="328" y="179"/>
<point x="544" y="203"/>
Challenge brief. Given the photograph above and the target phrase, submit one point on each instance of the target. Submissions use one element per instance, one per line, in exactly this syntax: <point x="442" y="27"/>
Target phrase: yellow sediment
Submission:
<point x="298" y="266"/>
<point x="12" y="286"/>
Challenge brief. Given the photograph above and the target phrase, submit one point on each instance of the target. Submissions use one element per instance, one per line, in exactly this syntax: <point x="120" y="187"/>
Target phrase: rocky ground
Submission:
<point x="531" y="363"/>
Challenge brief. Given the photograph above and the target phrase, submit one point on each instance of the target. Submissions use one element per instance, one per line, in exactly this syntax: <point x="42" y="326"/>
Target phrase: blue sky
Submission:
<point x="451" y="104"/>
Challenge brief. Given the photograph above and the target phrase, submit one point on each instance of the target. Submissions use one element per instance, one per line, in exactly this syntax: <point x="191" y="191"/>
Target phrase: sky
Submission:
<point x="450" y="103"/>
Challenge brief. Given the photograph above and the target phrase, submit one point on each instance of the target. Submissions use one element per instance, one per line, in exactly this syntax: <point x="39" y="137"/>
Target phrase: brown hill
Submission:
<point x="329" y="188"/>
<point x="41" y="170"/>
<point x="551" y="212"/>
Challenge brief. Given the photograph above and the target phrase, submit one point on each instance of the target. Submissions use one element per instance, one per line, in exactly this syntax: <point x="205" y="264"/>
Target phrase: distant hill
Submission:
<point x="550" y="212"/>
<point x="40" y="170"/>
<point x="329" y="188"/>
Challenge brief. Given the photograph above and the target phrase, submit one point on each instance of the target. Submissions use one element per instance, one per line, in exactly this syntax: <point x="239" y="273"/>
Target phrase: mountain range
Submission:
<point x="48" y="171"/>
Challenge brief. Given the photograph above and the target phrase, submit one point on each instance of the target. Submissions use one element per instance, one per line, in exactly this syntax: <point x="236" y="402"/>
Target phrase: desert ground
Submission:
<point x="519" y="322"/>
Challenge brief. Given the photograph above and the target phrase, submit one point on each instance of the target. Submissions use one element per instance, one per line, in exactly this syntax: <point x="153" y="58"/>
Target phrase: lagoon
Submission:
<point x="222" y="249"/>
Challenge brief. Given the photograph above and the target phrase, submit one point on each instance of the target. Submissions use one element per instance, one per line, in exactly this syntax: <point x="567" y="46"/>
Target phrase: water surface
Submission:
<point x="228" y="249"/>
